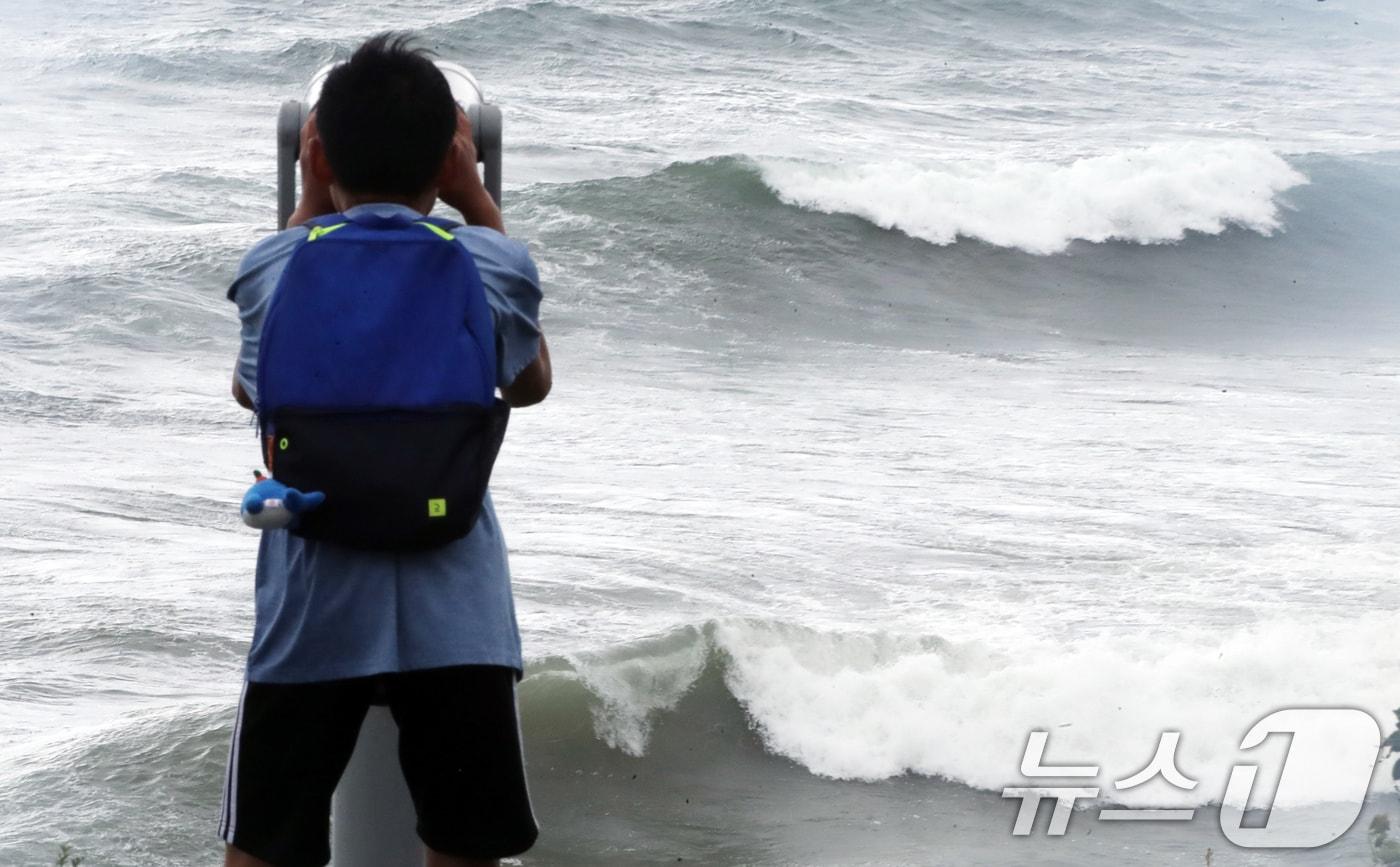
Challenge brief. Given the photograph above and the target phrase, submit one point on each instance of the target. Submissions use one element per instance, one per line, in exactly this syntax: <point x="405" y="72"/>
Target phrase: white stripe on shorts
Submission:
<point x="230" y="809"/>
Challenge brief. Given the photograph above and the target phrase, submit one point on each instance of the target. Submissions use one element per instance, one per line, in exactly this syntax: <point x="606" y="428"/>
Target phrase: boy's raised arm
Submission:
<point x="532" y="384"/>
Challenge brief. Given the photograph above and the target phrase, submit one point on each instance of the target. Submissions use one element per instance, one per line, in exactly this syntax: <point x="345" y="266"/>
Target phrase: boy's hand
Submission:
<point x="315" y="193"/>
<point x="460" y="186"/>
<point x="463" y="140"/>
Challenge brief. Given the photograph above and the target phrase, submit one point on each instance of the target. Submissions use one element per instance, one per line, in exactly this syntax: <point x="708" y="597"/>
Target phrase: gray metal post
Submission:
<point x="373" y="818"/>
<point x="289" y="121"/>
<point x="486" y="135"/>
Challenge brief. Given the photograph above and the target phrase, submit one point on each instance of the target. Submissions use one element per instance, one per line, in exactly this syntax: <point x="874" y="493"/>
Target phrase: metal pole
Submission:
<point x="289" y="121"/>
<point x="373" y="817"/>
<point x="486" y="133"/>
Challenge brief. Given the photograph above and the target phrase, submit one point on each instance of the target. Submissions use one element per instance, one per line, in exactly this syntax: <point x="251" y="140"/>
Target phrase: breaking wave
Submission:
<point x="1151" y="195"/>
<point x="862" y="706"/>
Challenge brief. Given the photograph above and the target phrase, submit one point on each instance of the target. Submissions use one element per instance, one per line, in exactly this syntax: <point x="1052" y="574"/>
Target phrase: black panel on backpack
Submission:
<point x="399" y="480"/>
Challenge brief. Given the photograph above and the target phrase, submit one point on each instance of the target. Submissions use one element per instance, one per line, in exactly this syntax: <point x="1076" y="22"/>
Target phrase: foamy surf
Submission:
<point x="1150" y="195"/>
<point x="874" y="706"/>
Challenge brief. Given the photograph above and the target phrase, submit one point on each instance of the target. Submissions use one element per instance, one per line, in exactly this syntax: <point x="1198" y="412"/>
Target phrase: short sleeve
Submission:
<point x="257" y="277"/>
<point x="513" y="290"/>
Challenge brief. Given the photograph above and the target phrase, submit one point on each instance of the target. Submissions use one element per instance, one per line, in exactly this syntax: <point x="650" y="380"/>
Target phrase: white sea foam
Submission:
<point x="874" y="706"/>
<point x="638" y="682"/>
<point x="1149" y="195"/>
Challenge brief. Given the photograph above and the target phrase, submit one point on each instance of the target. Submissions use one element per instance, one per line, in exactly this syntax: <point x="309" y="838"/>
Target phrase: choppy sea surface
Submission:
<point x="927" y="373"/>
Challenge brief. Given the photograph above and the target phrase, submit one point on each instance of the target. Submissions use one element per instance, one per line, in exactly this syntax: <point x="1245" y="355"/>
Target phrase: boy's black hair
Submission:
<point x="386" y="118"/>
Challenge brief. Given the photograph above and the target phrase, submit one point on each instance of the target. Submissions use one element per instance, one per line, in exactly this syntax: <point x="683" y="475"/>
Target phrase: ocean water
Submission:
<point x="927" y="373"/>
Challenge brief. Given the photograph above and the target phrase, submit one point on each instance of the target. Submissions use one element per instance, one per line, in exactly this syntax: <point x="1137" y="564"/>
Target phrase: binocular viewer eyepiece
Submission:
<point x="485" y="120"/>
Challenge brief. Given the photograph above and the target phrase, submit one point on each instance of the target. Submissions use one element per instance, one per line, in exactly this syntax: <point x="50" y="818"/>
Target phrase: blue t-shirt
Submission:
<point x="325" y="612"/>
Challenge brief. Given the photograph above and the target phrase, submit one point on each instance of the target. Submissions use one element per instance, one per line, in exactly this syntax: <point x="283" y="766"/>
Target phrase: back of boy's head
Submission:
<point x="386" y="118"/>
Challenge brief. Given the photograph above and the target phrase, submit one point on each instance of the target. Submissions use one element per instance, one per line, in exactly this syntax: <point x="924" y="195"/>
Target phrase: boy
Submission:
<point x="431" y="631"/>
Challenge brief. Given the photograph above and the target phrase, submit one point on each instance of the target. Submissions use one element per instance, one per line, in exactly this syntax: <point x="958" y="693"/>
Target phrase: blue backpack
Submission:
<point x="377" y="382"/>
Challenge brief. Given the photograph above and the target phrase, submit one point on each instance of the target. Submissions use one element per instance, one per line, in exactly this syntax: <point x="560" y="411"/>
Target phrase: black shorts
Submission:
<point x="459" y="747"/>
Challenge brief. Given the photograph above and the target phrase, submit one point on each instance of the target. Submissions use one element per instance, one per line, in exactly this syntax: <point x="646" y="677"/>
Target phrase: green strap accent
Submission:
<point x="320" y="231"/>
<point x="437" y="230"/>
